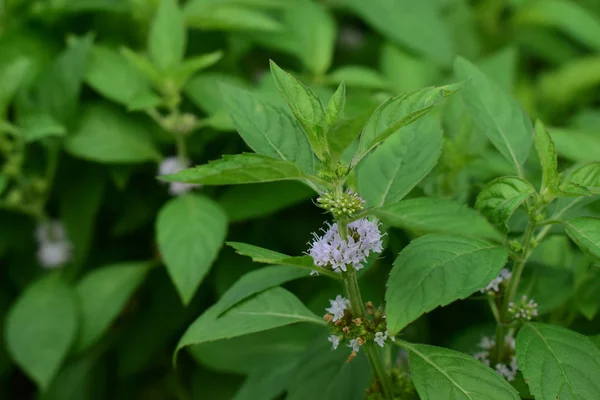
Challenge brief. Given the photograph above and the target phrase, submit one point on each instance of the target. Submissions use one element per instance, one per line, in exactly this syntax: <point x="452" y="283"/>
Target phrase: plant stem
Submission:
<point x="513" y="285"/>
<point x="181" y="148"/>
<point x="373" y="355"/>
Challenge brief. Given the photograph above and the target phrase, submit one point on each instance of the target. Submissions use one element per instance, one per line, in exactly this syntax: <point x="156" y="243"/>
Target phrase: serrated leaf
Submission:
<point x="430" y="215"/>
<point x="114" y="77"/>
<point x="436" y="270"/>
<point x="107" y="134"/>
<point x="391" y="171"/>
<point x="142" y="64"/>
<point x="268" y="129"/>
<point x="558" y="363"/>
<point x="266" y="256"/>
<point x="239" y="169"/>
<point x="587" y="176"/>
<point x="576" y="144"/>
<point x="305" y="106"/>
<point x="192" y="65"/>
<point x="167" y="37"/>
<point x="41" y="327"/>
<point x="268" y="309"/>
<point x="343" y="134"/>
<point x="497" y="114"/>
<point x="190" y="231"/>
<point x="102" y="294"/>
<point x="547" y="154"/>
<point x="399" y="111"/>
<point x="402" y="22"/>
<point x="335" y="108"/>
<point x="501" y="197"/>
<point x="585" y="232"/>
<point x="444" y="374"/>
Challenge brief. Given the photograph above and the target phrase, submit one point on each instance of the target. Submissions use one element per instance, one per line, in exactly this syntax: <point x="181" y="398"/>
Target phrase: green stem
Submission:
<point x="511" y="291"/>
<point x="181" y="148"/>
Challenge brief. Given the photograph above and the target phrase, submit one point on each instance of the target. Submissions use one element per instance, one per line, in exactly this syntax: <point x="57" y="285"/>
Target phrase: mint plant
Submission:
<point x="299" y="199"/>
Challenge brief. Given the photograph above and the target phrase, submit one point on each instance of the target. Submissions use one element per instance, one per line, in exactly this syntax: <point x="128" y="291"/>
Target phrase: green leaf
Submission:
<point x="547" y="155"/>
<point x="266" y="349"/>
<point x="587" y="294"/>
<point x="436" y="270"/>
<point x="403" y="22"/>
<point x="501" y="197"/>
<point x="500" y="117"/>
<point x="193" y="65"/>
<point x="102" y="294"/>
<point x="305" y="106"/>
<point x="406" y="71"/>
<point x="358" y="76"/>
<point x="265" y="383"/>
<point x="143" y="65"/>
<point x="41" y="327"/>
<point x="39" y="126"/>
<point x="269" y="309"/>
<point x="391" y="171"/>
<point x="266" y="256"/>
<point x="238" y="169"/>
<point x="585" y="232"/>
<point x="587" y="176"/>
<point x="444" y="374"/>
<point x="57" y="91"/>
<point x="558" y="363"/>
<point x="335" y="108"/>
<point x="430" y="215"/>
<point x="228" y="16"/>
<point x="343" y="134"/>
<point x="576" y="144"/>
<point x="245" y="202"/>
<point x="114" y="77"/>
<point x="167" y="37"/>
<point x="325" y="374"/>
<point x="12" y="76"/>
<point x="108" y="135"/>
<point x="204" y="90"/>
<point x="190" y="231"/>
<point x="565" y="16"/>
<point x="399" y="111"/>
<point x="267" y="129"/>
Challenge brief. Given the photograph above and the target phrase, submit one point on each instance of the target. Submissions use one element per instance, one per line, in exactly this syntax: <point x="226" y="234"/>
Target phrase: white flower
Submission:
<point x="330" y="250"/>
<point x="487" y="344"/>
<point x="338" y="306"/>
<point x="380" y="338"/>
<point x="335" y="341"/>
<point x="354" y="344"/>
<point x="172" y="165"/>
<point x="54" y="247"/>
<point x="494" y="285"/>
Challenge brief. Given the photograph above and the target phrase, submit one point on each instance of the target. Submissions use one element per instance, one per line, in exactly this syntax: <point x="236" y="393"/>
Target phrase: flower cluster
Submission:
<point x="54" y="249"/>
<point x="524" y="309"/>
<point x="172" y="165"/>
<point x="330" y="250"/>
<point x="508" y="367"/>
<point x="496" y="283"/>
<point x="345" y="205"/>
<point x="358" y="331"/>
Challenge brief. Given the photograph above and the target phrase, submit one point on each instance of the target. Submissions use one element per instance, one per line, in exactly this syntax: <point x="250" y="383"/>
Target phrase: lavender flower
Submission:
<point x="380" y="338"/>
<point x="354" y="344"/>
<point x="488" y="344"/>
<point x="494" y="285"/>
<point x="338" y="306"/>
<point x="330" y="250"/>
<point x="172" y="165"/>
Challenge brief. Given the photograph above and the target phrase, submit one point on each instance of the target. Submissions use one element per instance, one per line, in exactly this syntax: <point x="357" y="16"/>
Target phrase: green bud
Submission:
<point x="343" y="205"/>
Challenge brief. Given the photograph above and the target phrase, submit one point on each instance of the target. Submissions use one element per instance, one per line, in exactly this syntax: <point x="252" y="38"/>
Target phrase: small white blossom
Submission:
<point x="338" y="306"/>
<point x="354" y="344"/>
<point x="335" y="341"/>
<point x="330" y="250"/>
<point x="494" y="285"/>
<point x="172" y="165"/>
<point x="380" y="338"/>
<point x="524" y="309"/>
<point x="54" y="249"/>
<point x="313" y="272"/>
<point x="487" y="344"/>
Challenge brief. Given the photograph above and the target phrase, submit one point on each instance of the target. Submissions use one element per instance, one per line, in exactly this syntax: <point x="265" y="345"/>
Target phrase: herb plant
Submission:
<point x="406" y="228"/>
